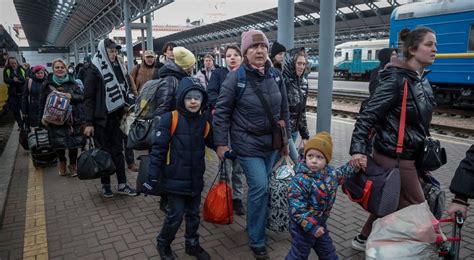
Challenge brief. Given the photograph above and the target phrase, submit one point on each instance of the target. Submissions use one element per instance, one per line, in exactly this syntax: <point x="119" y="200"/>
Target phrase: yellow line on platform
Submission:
<point x="35" y="245"/>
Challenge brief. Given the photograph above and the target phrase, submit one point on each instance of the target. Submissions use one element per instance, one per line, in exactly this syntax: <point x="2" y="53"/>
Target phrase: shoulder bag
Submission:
<point x="433" y="155"/>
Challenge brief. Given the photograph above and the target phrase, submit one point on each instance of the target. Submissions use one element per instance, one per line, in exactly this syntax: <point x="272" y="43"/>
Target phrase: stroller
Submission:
<point x="42" y="153"/>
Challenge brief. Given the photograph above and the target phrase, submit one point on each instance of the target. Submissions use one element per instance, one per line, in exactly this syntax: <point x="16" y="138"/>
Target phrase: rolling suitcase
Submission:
<point x="42" y="153"/>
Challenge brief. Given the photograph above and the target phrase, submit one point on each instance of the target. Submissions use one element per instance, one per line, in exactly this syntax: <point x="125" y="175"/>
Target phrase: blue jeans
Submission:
<point x="179" y="206"/>
<point x="237" y="178"/>
<point x="257" y="171"/>
<point x="302" y="242"/>
<point x="292" y="147"/>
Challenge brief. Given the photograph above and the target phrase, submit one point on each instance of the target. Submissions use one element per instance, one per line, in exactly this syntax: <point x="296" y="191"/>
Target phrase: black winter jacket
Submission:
<point x="68" y="135"/>
<point x="245" y="119"/>
<point x="94" y="97"/>
<point x="297" y="91"/>
<point x="30" y="102"/>
<point x="383" y="113"/>
<point x="184" y="173"/>
<point x="165" y="97"/>
<point x="462" y="184"/>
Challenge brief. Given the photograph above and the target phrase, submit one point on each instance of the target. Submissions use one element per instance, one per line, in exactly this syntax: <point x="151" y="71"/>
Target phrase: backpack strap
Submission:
<point x="401" y="127"/>
<point x="207" y="128"/>
<point x="174" y="121"/>
<point x="242" y="80"/>
<point x="30" y="81"/>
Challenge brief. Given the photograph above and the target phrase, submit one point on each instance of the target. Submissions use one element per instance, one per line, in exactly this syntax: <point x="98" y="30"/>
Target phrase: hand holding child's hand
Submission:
<point x="359" y="161"/>
<point x="319" y="232"/>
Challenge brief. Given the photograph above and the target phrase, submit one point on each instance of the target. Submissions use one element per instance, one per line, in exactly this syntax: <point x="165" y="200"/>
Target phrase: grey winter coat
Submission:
<point x="297" y="91"/>
<point x="245" y="119"/>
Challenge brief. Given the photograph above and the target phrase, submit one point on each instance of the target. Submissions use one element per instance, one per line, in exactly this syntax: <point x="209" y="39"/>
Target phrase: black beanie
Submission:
<point x="276" y="48"/>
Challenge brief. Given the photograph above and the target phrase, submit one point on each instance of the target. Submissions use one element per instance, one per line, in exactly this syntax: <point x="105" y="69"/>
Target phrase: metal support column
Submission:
<point x="128" y="34"/>
<point x="327" y="27"/>
<point x="76" y="54"/>
<point x="143" y="37"/>
<point x="286" y="26"/>
<point x="149" y="33"/>
<point x="91" y="41"/>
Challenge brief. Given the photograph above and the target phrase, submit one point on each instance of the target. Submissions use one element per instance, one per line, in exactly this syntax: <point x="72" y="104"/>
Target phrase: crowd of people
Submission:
<point x="235" y="109"/>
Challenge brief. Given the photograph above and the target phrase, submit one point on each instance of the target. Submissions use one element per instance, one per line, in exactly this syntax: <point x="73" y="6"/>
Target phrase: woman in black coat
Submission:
<point x="30" y="102"/>
<point x="383" y="110"/>
<point x="67" y="136"/>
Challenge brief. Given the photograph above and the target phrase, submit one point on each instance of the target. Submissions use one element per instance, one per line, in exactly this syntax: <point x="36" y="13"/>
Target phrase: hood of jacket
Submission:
<point x="289" y="63"/>
<point x="185" y="85"/>
<point x="401" y="65"/>
<point x="172" y="69"/>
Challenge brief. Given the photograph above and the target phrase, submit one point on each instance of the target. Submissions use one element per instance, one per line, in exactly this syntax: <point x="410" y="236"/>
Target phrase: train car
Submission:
<point x="356" y="59"/>
<point x="8" y="48"/>
<point x="452" y="74"/>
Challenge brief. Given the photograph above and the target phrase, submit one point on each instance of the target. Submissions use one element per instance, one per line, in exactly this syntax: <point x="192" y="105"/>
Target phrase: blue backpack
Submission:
<point x="242" y="80"/>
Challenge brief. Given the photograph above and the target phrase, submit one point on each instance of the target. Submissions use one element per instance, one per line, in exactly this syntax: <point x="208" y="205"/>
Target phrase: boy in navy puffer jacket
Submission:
<point x="177" y="164"/>
<point x="311" y="196"/>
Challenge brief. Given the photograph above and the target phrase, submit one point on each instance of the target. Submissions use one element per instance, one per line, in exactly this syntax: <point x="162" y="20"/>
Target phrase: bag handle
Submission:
<point x="403" y="114"/>
<point x="426" y="132"/>
<point x="265" y="105"/>
<point x="287" y="159"/>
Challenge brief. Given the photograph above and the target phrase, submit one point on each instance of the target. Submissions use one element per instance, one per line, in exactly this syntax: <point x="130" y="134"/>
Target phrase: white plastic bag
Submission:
<point x="405" y="234"/>
<point x="284" y="171"/>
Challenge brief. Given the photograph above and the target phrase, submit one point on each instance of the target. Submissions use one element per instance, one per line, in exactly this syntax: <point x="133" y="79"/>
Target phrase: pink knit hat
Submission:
<point x="37" y="68"/>
<point x="252" y="37"/>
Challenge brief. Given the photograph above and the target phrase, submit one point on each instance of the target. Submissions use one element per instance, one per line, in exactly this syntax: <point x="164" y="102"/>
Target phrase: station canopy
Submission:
<point x="355" y="20"/>
<point x="60" y="23"/>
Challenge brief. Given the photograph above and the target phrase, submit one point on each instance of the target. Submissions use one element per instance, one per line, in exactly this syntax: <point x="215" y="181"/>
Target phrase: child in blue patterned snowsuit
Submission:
<point x="311" y="195"/>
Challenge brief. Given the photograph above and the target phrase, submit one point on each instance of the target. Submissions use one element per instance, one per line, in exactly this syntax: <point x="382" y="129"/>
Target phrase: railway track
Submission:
<point x="460" y="127"/>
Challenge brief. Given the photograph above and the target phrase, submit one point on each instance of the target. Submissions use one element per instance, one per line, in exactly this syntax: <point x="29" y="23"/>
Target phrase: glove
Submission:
<point x="148" y="186"/>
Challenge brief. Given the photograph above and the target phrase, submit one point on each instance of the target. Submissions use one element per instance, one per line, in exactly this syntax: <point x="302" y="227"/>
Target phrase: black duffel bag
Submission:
<point x="94" y="163"/>
<point x="143" y="175"/>
<point x="377" y="190"/>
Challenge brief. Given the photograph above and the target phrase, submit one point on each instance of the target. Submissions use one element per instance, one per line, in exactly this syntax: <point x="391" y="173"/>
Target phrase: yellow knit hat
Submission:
<point x="183" y="57"/>
<point x="322" y="142"/>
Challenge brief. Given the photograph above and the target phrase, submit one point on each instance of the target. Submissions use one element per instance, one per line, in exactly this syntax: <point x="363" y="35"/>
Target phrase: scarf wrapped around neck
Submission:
<point x="115" y="92"/>
<point x="60" y="81"/>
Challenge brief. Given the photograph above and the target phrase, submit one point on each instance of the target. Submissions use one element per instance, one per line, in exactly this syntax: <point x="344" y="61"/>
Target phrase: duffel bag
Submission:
<point x="377" y="190"/>
<point x="94" y="163"/>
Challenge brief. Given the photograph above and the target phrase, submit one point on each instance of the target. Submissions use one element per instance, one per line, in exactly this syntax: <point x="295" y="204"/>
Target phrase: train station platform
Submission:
<point x="52" y="217"/>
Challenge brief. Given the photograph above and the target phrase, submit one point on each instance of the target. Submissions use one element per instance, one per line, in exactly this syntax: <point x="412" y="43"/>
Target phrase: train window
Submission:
<point x="376" y="54"/>
<point x="470" y="47"/>
<point x="369" y="55"/>
<point x="338" y="54"/>
<point x="347" y="56"/>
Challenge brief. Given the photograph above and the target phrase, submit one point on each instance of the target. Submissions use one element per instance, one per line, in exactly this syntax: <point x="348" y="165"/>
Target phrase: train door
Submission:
<point x="356" y="66"/>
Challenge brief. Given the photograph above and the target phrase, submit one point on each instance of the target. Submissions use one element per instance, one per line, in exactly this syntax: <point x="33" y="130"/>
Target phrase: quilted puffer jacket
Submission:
<point x="383" y="110"/>
<point x="297" y="91"/>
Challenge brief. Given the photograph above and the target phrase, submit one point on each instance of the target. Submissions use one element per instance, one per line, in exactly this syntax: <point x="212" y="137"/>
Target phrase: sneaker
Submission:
<point x="260" y="253"/>
<point x="238" y="207"/>
<point x="132" y="167"/>
<point x="198" y="252"/>
<point x="358" y="243"/>
<point x="165" y="252"/>
<point x="107" y="191"/>
<point x="127" y="190"/>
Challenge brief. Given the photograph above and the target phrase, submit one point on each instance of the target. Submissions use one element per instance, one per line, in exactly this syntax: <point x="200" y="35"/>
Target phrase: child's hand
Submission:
<point x="319" y="232"/>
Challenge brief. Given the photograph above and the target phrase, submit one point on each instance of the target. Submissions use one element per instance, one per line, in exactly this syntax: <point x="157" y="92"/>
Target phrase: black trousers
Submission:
<point x="110" y="139"/>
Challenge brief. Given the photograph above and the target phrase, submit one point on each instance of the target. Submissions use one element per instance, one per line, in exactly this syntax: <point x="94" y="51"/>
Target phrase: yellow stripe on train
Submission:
<point x="454" y="55"/>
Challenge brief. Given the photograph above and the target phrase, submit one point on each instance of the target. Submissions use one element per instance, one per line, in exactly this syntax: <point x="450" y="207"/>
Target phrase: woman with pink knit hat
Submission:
<point x="251" y="103"/>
